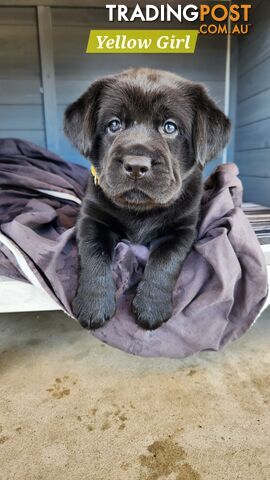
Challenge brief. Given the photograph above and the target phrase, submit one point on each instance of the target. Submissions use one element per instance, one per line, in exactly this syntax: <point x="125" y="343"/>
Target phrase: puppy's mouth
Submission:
<point x="135" y="196"/>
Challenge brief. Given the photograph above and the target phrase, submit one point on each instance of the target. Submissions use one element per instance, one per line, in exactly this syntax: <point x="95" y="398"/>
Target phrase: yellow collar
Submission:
<point x="95" y="175"/>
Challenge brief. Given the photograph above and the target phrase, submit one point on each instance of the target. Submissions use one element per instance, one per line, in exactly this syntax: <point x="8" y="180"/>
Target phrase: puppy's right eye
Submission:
<point x="114" y="125"/>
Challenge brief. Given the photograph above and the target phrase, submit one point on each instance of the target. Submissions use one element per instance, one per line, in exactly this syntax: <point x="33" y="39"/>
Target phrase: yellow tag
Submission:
<point x="95" y="175"/>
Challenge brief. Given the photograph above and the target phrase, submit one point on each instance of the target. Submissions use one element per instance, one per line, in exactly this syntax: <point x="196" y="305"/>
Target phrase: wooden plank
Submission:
<point x="255" y="48"/>
<point x="69" y="153"/>
<point x="254" y="163"/>
<point x="84" y="66"/>
<point x="86" y="69"/>
<point x="98" y="18"/>
<point x="20" y="92"/>
<point x="79" y="17"/>
<point x="68" y="90"/>
<point x="253" y="117"/>
<point x="34" y="136"/>
<point x="211" y="166"/>
<point x="17" y="16"/>
<point x="233" y="98"/>
<point x="256" y="189"/>
<point x="257" y="51"/>
<point x="88" y="3"/>
<point x="48" y="77"/>
<point x="21" y="113"/>
<point x="258" y="17"/>
<point x="253" y="136"/>
<point x="255" y="80"/>
<point x="254" y="108"/>
<point x="28" y="297"/>
<point x="24" y="117"/>
<point x="257" y="3"/>
<point x="19" y="52"/>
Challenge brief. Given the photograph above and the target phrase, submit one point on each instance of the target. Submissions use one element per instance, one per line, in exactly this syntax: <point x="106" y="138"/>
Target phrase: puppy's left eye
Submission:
<point x="114" y="125"/>
<point x="169" y="127"/>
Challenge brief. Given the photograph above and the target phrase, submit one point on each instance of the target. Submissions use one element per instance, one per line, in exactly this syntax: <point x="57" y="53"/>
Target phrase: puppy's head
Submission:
<point x="146" y="131"/>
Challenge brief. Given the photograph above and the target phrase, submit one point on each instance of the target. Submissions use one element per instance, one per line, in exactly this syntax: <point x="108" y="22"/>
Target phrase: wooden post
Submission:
<point x="232" y="112"/>
<point x="48" y="77"/>
<point x="227" y="84"/>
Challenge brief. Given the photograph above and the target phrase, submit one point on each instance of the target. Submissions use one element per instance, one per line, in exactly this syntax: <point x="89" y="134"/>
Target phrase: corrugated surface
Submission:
<point x="253" y="111"/>
<point x="21" y="100"/>
<point x="21" y="111"/>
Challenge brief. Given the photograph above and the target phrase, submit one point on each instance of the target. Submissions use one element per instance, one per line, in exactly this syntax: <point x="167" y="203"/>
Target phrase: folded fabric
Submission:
<point x="220" y="291"/>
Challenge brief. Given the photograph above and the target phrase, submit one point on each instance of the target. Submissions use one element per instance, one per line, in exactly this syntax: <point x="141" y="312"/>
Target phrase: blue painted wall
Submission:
<point x="21" y="103"/>
<point x="21" y="111"/>
<point x="252" y="150"/>
<point x="21" y="96"/>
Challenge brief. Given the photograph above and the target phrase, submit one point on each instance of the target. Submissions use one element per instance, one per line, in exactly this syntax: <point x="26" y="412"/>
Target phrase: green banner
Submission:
<point x="142" y="41"/>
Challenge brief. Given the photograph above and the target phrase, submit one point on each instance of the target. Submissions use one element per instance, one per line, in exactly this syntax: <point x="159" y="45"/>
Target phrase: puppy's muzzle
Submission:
<point x="136" y="167"/>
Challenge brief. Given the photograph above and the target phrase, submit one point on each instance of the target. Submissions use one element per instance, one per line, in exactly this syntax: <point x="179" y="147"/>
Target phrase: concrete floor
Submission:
<point x="73" y="408"/>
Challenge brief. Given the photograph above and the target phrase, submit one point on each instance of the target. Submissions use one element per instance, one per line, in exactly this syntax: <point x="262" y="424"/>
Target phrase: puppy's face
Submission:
<point x="146" y="131"/>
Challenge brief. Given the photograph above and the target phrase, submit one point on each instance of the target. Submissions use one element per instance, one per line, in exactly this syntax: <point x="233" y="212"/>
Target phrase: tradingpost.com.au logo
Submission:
<point x="208" y="19"/>
<point x="213" y="18"/>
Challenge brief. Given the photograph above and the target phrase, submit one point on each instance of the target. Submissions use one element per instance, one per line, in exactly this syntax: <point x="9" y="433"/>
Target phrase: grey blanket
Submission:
<point x="220" y="291"/>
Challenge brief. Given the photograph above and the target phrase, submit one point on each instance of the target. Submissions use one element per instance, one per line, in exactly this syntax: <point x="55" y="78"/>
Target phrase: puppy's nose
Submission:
<point x="136" y="167"/>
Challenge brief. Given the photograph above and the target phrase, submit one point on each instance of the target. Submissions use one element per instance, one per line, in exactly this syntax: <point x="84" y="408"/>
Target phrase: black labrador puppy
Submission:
<point x="148" y="134"/>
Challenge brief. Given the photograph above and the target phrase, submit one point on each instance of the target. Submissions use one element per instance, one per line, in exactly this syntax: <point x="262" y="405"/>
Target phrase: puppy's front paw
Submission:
<point x="94" y="308"/>
<point x="151" y="306"/>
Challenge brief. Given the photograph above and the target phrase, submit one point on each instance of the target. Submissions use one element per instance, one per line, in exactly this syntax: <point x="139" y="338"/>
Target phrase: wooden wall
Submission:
<point x="21" y="100"/>
<point x="252" y="151"/>
<point x="21" y="105"/>
<point x="75" y="69"/>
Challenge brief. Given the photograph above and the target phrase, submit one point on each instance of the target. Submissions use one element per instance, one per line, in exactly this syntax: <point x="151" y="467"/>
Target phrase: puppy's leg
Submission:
<point x="94" y="303"/>
<point x="152" y="304"/>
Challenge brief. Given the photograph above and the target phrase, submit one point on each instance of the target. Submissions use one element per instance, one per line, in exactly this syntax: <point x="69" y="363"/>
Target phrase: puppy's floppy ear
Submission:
<point x="81" y="116"/>
<point x="211" y="128"/>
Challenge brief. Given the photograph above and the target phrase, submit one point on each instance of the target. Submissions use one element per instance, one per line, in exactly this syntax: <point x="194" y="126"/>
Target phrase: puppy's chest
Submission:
<point x="140" y="235"/>
<point x="143" y="231"/>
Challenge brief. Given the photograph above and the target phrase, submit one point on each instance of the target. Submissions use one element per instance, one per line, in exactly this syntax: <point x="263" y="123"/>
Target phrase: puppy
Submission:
<point x="148" y="134"/>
